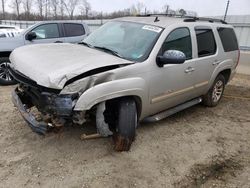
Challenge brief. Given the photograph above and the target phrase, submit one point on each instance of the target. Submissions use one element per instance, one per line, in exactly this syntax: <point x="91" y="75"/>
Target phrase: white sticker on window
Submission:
<point x="152" y="28"/>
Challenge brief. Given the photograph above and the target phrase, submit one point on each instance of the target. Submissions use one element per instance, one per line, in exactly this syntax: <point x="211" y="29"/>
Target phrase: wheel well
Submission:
<point x="226" y="73"/>
<point x="5" y="54"/>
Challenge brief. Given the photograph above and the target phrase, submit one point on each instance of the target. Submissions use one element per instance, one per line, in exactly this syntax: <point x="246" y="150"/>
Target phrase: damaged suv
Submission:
<point x="130" y="69"/>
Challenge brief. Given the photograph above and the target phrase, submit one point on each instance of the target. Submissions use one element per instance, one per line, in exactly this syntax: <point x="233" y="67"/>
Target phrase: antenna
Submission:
<point x="225" y="17"/>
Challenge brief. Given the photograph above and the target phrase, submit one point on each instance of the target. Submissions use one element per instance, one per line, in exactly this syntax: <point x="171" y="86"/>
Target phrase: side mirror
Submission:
<point x="31" y="36"/>
<point x="171" y="57"/>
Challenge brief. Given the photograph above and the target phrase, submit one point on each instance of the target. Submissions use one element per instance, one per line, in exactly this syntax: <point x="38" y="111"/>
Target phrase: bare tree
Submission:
<point x="27" y="4"/>
<point x="47" y="7"/>
<point x="85" y="7"/>
<point x="16" y="5"/>
<point x="166" y="8"/>
<point x="62" y="9"/>
<point x="139" y="6"/>
<point x="3" y="7"/>
<point x="70" y="6"/>
<point x="55" y="6"/>
<point x="40" y="6"/>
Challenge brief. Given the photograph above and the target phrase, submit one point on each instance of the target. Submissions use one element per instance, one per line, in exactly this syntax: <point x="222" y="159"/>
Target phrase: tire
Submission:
<point x="215" y="93"/>
<point x="5" y="77"/>
<point x="126" y="125"/>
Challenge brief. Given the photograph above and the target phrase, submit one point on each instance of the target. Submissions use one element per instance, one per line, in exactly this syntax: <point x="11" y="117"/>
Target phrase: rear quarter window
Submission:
<point x="74" y="30"/>
<point x="228" y="39"/>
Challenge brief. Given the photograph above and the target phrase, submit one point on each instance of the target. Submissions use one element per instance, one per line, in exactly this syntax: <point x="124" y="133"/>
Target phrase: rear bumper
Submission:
<point x="36" y="126"/>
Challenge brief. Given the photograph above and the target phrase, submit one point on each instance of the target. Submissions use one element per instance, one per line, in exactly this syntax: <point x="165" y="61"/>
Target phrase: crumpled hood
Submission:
<point x="52" y="65"/>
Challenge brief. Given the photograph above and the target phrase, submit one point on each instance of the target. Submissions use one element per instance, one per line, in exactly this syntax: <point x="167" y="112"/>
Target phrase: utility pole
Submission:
<point x="225" y="17"/>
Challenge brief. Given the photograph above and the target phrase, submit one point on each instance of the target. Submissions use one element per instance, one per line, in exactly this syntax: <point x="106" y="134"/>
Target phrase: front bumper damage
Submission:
<point x="38" y="127"/>
<point x="56" y="109"/>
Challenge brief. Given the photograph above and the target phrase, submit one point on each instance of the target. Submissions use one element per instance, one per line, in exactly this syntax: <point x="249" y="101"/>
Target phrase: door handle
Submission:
<point x="216" y="62"/>
<point x="189" y="69"/>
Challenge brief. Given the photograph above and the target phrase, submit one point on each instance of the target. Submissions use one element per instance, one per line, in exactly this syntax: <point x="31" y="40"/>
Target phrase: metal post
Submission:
<point x="225" y="17"/>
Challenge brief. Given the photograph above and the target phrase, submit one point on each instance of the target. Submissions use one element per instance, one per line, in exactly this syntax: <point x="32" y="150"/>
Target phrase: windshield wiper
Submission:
<point x="109" y="50"/>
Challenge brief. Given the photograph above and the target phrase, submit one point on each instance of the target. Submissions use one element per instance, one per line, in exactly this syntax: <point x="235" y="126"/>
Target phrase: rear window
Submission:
<point x="228" y="39"/>
<point x="74" y="30"/>
<point x="206" y="42"/>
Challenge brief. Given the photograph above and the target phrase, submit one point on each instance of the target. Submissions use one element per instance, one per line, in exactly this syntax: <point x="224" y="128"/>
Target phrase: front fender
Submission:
<point x="110" y="90"/>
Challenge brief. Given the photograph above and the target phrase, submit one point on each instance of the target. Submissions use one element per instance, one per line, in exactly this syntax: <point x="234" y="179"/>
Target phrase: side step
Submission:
<point x="171" y="111"/>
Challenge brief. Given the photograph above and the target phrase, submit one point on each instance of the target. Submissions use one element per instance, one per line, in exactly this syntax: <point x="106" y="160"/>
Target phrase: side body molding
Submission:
<point x="110" y="90"/>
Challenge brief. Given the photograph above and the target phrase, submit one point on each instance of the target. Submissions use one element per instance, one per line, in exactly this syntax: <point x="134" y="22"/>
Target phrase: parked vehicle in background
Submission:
<point x="42" y="32"/>
<point x="9" y="31"/>
<point x="130" y="69"/>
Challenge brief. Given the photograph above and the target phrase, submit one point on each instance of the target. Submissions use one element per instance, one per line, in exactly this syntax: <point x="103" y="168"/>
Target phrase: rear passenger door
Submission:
<point x="74" y="32"/>
<point x="206" y="58"/>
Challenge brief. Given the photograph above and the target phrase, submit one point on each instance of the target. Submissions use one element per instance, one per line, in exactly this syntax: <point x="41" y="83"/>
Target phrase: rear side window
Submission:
<point x="179" y="39"/>
<point x="206" y="42"/>
<point x="228" y="39"/>
<point x="74" y="30"/>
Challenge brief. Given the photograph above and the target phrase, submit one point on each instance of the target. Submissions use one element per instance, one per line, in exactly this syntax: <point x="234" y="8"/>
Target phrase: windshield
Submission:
<point x="132" y="41"/>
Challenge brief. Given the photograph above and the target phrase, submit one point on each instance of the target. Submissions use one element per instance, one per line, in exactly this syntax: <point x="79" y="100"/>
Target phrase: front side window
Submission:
<point x="74" y="30"/>
<point x="180" y="40"/>
<point x="132" y="41"/>
<point x="47" y="31"/>
<point x="228" y="39"/>
<point x="205" y="42"/>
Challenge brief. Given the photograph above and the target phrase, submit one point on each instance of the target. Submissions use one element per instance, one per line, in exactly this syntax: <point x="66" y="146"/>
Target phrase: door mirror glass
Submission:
<point x="31" y="36"/>
<point x="171" y="57"/>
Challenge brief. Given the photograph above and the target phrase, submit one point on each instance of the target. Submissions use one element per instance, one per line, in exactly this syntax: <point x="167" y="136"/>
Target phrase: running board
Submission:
<point x="171" y="111"/>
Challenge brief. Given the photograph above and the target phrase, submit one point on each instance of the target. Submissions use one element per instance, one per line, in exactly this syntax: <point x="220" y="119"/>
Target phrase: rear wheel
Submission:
<point x="126" y="125"/>
<point x="214" y="95"/>
<point x="5" y="76"/>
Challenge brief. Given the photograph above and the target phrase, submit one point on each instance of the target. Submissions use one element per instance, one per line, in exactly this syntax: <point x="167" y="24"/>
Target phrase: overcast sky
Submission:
<point x="202" y="7"/>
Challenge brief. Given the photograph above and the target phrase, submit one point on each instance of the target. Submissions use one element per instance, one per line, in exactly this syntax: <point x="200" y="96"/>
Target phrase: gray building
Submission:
<point x="242" y="28"/>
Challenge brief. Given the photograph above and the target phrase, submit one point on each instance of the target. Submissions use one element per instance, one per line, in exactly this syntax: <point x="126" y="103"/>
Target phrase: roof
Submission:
<point x="164" y="20"/>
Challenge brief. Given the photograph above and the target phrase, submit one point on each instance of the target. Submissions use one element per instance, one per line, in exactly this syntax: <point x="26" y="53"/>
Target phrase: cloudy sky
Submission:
<point x="202" y="7"/>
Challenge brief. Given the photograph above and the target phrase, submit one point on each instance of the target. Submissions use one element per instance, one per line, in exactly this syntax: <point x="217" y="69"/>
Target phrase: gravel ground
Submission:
<point x="199" y="147"/>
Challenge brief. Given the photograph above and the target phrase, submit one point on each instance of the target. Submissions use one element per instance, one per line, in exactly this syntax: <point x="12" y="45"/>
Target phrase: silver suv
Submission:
<point x="131" y="69"/>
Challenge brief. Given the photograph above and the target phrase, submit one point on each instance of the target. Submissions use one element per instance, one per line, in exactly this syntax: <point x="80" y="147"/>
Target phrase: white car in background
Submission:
<point x="9" y="31"/>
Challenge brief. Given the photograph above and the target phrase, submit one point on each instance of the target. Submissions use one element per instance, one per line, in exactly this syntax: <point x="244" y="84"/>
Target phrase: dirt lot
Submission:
<point x="199" y="147"/>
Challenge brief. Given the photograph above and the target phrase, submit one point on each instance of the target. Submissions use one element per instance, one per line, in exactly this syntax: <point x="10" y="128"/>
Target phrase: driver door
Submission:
<point x="173" y="84"/>
<point x="46" y="33"/>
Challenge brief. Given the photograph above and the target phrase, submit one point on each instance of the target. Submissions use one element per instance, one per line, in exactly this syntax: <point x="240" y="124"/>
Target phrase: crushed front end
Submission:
<point x="54" y="109"/>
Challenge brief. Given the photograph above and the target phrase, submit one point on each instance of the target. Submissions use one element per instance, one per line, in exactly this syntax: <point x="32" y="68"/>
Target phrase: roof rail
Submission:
<point x="187" y="18"/>
<point x="211" y="20"/>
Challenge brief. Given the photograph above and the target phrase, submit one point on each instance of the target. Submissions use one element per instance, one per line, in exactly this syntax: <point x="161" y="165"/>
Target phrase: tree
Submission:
<point x="40" y="5"/>
<point x="70" y="6"/>
<point x="55" y="5"/>
<point x="166" y="8"/>
<point x="182" y="12"/>
<point x="3" y="7"/>
<point x="16" y="5"/>
<point x="62" y="9"/>
<point x="27" y="4"/>
<point x="85" y="7"/>
<point x="140" y="6"/>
